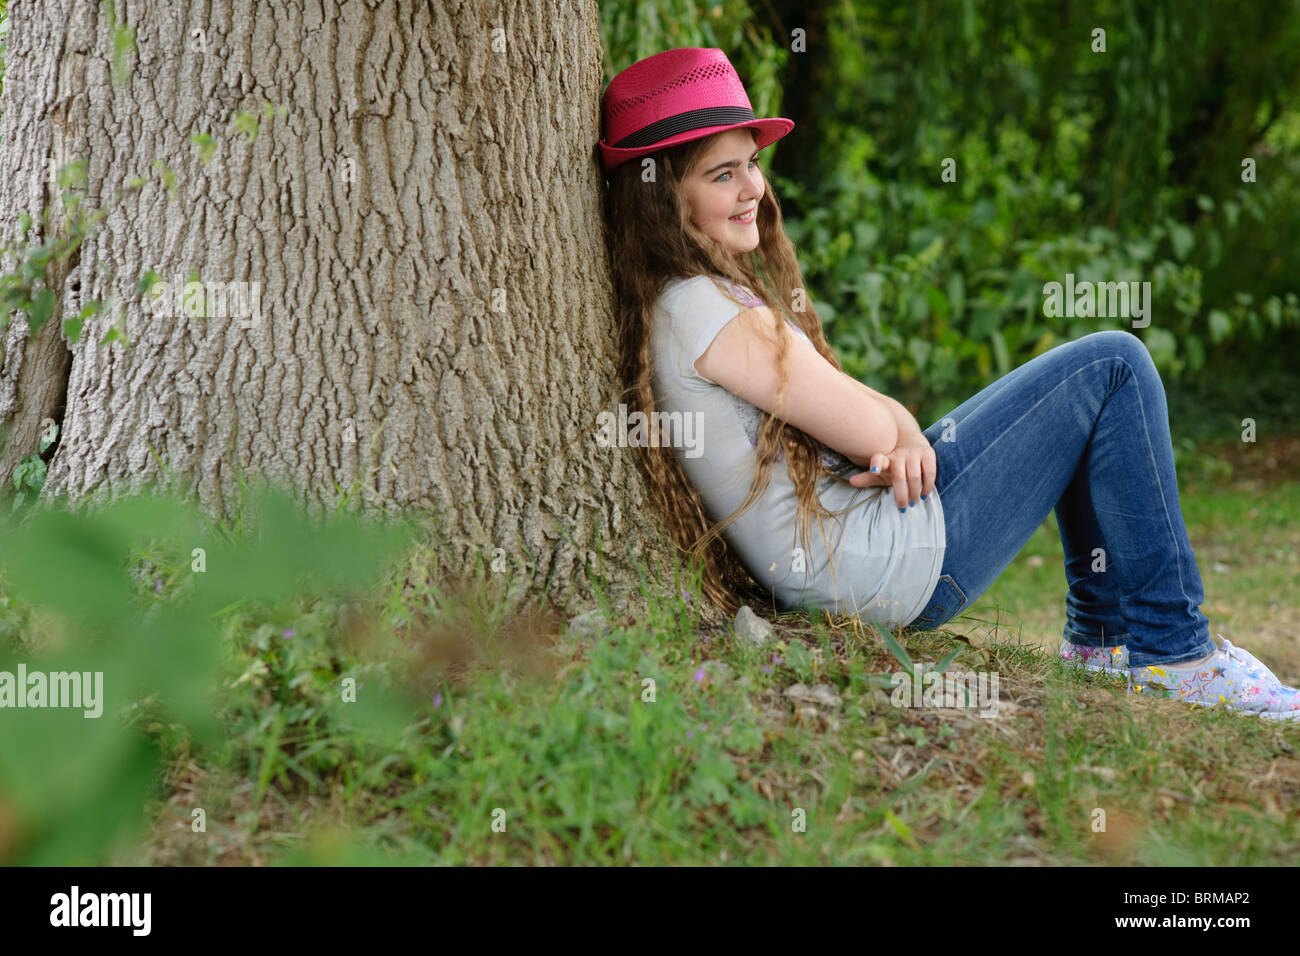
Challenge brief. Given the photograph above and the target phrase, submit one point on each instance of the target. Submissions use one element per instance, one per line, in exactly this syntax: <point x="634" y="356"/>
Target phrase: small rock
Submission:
<point x="749" y="626"/>
<point x="1034" y="561"/>
<point x="826" y="695"/>
<point x="823" y="694"/>
<point x="1106" y="773"/>
<point x="589" y="626"/>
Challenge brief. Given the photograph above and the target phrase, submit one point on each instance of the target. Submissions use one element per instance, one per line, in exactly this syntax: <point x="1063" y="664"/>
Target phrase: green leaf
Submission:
<point x="39" y="312"/>
<point x="1182" y="238"/>
<point x="944" y="664"/>
<point x="72" y="329"/>
<point x="148" y="279"/>
<point x="206" y="146"/>
<point x="168" y="177"/>
<point x="123" y="39"/>
<point x="1160" y="341"/>
<point x="246" y="123"/>
<point x="901" y="828"/>
<point x="1220" y="325"/>
<point x="1000" y="353"/>
<point x="897" y="649"/>
<point x="115" y="334"/>
<point x="30" y="472"/>
<point x="1230" y="212"/>
<point x="47" y="438"/>
<point x="957" y="294"/>
<point x="72" y="175"/>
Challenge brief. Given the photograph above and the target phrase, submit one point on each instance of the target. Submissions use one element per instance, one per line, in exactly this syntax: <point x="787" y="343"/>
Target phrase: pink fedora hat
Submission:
<point x="674" y="97"/>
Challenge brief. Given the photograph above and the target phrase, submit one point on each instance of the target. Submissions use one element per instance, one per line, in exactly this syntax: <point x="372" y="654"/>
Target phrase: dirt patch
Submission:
<point x="1262" y="464"/>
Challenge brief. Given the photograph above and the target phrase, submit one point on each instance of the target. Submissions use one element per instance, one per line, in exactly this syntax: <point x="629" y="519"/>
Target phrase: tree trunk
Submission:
<point x="805" y="96"/>
<point x="411" y="203"/>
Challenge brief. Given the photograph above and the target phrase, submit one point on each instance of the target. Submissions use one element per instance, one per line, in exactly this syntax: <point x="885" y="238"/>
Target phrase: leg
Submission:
<point x="1093" y="407"/>
<point x="1093" y="617"/>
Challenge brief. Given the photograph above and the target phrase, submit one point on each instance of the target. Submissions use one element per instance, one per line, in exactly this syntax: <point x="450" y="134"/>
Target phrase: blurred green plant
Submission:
<point x="143" y="592"/>
<point x="962" y="302"/>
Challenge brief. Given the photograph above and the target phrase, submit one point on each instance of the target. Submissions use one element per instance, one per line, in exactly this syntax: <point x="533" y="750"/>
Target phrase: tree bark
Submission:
<point x="418" y="216"/>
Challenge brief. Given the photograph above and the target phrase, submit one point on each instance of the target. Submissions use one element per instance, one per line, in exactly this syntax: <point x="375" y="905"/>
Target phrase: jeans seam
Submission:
<point x="960" y="604"/>
<point x="1164" y="507"/>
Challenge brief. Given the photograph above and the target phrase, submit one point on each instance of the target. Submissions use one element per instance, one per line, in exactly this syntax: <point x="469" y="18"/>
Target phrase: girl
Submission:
<point x="703" y="268"/>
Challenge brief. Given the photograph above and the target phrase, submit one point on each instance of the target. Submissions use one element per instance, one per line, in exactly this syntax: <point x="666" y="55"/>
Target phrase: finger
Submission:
<point x="879" y="463"/>
<point x="865" y="479"/>
<point x="900" y="486"/>
<point x="930" y="472"/>
<point x="913" y="468"/>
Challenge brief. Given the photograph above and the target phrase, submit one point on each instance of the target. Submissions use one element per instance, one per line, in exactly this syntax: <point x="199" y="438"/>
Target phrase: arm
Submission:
<point x="832" y="407"/>
<point x="906" y="423"/>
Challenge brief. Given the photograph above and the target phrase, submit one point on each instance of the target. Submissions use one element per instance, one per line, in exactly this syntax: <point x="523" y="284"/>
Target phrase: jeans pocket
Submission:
<point x="946" y="600"/>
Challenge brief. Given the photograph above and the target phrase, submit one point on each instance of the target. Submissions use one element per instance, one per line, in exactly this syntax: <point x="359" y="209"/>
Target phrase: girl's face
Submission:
<point x="727" y="182"/>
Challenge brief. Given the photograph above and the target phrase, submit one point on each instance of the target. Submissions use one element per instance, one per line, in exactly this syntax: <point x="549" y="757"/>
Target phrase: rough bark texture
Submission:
<point x="422" y="215"/>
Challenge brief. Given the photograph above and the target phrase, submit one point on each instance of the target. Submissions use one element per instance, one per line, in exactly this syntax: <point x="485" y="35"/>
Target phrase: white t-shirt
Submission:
<point x="885" y="563"/>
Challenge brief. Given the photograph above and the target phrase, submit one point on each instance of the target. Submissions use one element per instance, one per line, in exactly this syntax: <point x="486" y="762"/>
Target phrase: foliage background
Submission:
<point x="1122" y="165"/>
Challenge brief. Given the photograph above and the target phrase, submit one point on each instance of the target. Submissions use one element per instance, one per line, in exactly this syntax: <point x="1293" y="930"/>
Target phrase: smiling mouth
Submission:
<point x="745" y="218"/>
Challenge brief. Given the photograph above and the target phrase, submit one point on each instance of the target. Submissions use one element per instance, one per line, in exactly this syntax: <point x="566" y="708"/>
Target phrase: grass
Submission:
<point x="718" y="770"/>
<point x="517" y="741"/>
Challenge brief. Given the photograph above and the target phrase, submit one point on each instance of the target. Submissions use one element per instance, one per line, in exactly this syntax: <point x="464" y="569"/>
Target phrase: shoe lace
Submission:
<point x="1249" y="660"/>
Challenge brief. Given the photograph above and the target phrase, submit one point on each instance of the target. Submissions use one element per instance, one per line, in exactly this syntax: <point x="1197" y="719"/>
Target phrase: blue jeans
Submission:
<point x="1084" y="429"/>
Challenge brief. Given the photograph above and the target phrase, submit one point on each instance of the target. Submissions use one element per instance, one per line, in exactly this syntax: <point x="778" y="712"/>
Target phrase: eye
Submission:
<point x="752" y="162"/>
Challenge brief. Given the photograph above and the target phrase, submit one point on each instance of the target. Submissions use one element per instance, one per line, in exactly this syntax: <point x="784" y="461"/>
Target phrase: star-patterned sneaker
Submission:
<point x="1111" y="660"/>
<point x="1232" y="678"/>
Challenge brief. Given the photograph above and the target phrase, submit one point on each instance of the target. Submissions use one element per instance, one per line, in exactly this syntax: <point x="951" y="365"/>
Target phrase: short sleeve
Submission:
<point x="698" y="313"/>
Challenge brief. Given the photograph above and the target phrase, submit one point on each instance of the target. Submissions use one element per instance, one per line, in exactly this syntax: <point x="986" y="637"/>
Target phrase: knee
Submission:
<point x="1123" y="344"/>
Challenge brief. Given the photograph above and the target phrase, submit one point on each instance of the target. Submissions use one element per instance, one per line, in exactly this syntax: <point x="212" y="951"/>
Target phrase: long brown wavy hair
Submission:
<point x="652" y="240"/>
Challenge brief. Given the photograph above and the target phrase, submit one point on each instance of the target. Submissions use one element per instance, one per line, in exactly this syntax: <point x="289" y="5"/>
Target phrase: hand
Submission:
<point x="911" y="468"/>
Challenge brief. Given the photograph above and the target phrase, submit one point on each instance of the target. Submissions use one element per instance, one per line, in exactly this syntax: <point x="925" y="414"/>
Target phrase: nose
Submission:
<point x="753" y="183"/>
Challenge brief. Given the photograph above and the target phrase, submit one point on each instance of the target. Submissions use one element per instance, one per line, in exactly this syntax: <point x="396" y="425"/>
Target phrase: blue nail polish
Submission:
<point x="923" y="497"/>
<point x="902" y="511"/>
<point x="911" y="504"/>
<point x="874" y="470"/>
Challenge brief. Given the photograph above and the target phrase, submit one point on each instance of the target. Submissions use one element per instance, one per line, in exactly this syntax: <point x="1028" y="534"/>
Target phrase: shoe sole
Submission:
<point x="1099" y="669"/>
<point x="1095" y="668"/>
<point x="1264" y="714"/>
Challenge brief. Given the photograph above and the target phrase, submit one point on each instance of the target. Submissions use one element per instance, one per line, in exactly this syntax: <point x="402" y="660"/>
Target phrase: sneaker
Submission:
<point x="1233" y="678"/>
<point x="1111" y="660"/>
